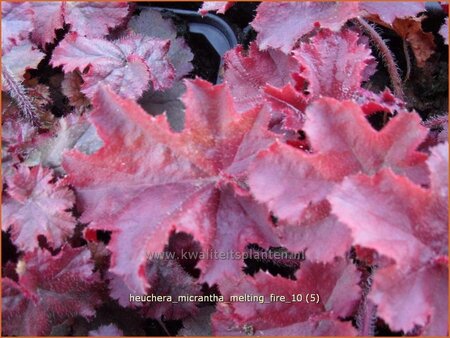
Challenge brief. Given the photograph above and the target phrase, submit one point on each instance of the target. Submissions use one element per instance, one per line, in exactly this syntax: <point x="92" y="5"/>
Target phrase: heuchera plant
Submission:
<point x="281" y="155"/>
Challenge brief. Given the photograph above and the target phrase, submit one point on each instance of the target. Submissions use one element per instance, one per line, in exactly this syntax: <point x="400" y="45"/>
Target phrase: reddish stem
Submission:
<point x="386" y="54"/>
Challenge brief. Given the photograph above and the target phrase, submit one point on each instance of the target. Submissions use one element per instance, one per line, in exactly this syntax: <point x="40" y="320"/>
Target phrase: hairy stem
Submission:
<point x="19" y="93"/>
<point x="367" y="311"/>
<point x="386" y="54"/>
<point x="408" y="60"/>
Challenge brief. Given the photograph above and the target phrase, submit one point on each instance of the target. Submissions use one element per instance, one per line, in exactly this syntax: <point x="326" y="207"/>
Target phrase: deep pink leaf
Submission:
<point x="90" y="19"/>
<point x="333" y="63"/>
<point x="177" y="172"/>
<point x="37" y="206"/>
<point x="408" y="225"/>
<point x="290" y="102"/>
<point x="94" y="19"/>
<point x="303" y="178"/>
<point x="248" y="72"/>
<point x="336" y="283"/>
<point x="418" y="297"/>
<point x="50" y="290"/>
<point x="281" y="24"/>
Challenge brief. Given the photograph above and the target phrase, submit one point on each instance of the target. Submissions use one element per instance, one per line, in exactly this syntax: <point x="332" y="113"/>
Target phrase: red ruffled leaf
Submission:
<point x="385" y="101"/>
<point x="290" y="102"/>
<point x="408" y="225"/>
<point x="280" y="25"/>
<point x="335" y="283"/>
<point x="127" y="65"/>
<point x="156" y="180"/>
<point x="37" y="206"/>
<point x="351" y="145"/>
<point x="49" y="291"/>
<point x="248" y="72"/>
<point x="333" y="63"/>
<point x="88" y="19"/>
<point x="344" y="54"/>
<point x="418" y="297"/>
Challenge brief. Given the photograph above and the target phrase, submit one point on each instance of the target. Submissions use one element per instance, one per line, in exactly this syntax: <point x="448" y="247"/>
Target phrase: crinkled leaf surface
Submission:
<point x="90" y="19"/>
<point x="336" y="283"/>
<point x="246" y="72"/>
<point x="127" y="65"/>
<point x="50" y="290"/>
<point x="343" y="143"/>
<point x="36" y="206"/>
<point x="408" y="225"/>
<point x="281" y="24"/>
<point x="149" y="180"/>
<point x="333" y="63"/>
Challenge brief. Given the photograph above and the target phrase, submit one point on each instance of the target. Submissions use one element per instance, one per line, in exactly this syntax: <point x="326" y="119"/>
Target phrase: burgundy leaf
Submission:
<point x="50" y="290"/>
<point x="159" y="272"/>
<point x="335" y="283"/>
